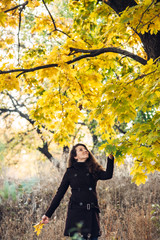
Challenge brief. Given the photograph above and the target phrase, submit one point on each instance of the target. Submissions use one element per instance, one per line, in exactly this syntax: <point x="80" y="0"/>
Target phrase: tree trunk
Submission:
<point x="44" y="150"/>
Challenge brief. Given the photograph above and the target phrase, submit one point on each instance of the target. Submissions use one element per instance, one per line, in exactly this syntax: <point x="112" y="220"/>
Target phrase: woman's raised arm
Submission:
<point x="104" y="175"/>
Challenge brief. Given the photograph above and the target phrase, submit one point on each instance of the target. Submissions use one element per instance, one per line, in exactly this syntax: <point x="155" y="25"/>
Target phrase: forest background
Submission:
<point x="80" y="71"/>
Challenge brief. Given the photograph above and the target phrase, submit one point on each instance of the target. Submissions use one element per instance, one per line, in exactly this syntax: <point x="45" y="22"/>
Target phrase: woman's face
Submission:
<point x="82" y="154"/>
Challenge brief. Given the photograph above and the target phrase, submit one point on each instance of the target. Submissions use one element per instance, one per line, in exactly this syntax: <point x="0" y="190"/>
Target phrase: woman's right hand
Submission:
<point x="45" y="219"/>
<point x="111" y="156"/>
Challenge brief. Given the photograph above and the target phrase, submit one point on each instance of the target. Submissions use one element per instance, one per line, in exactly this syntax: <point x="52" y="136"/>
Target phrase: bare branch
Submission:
<point x="82" y="123"/>
<point x="50" y="15"/>
<point x="20" y="5"/>
<point x="29" y="69"/>
<point x="12" y="100"/>
<point x="19" y="27"/>
<point x="140" y="77"/>
<point x="4" y="110"/>
<point x="91" y="53"/>
<point x="58" y="30"/>
<point x="15" y="101"/>
<point x="16" y="104"/>
<point x="119" y="129"/>
<point x="55" y="28"/>
<point x="18" y="34"/>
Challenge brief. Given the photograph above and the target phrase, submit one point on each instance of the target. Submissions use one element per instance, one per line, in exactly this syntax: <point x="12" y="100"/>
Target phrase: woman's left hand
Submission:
<point x="45" y="219"/>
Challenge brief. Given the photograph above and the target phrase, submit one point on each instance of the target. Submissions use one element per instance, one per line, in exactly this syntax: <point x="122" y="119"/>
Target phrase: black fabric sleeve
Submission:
<point x="104" y="175"/>
<point x="59" y="195"/>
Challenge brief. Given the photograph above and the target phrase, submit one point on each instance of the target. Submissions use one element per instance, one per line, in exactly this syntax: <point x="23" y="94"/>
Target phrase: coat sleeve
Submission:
<point x="59" y="195"/>
<point x="104" y="175"/>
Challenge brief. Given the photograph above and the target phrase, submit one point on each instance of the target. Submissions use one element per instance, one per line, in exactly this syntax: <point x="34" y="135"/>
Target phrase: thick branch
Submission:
<point x="120" y="5"/>
<point x="97" y="52"/>
<point x="91" y="53"/>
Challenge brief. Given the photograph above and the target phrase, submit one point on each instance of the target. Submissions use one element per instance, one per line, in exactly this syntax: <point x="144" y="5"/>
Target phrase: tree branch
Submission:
<point x="140" y="77"/>
<point x="55" y="28"/>
<point x="119" y="129"/>
<point x="4" y="110"/>
<point x="18" y="34"/>
<point x="157" y="15"/>
<point x="97" y="52"/>
<point x="19" y="112"/>
<point x="91" y="53"/>
<point x="50" y="15"/>
<point x="20" y="5"/>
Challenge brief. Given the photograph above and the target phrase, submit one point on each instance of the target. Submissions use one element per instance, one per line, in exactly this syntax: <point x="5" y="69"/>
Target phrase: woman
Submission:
<point x="82" y="176"/>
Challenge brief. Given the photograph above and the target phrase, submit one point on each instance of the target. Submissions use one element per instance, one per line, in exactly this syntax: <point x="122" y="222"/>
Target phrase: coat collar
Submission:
<point x="79" y="165"/>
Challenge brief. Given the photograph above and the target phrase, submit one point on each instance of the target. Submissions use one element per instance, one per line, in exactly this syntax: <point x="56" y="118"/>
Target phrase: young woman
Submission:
<point x="82" y="175"/>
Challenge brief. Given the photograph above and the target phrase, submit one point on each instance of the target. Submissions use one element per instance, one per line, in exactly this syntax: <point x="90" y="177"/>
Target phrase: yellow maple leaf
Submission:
<point x="147" y="2"/>
<point x="38" y="227"/>
<point x="2" y="19"/>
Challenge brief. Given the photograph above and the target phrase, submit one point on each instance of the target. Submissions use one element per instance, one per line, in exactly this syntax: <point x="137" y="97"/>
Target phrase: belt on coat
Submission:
<point x="90" y="188"/>
<point x="83" y="205"/>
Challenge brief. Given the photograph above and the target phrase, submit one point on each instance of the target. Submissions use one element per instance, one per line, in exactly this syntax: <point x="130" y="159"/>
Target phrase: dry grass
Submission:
<point x="125" y="211"/>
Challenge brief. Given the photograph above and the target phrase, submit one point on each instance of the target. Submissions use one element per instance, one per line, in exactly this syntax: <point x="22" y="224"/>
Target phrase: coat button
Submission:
<point x="87" y="174"/>
<point x="75" y="175"/>
<point x="81" y="203"/>
<point x="90" y="189"/>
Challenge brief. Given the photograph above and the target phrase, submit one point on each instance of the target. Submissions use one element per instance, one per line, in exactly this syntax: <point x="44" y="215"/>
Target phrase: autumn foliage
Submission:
<point x="84" y="61"/>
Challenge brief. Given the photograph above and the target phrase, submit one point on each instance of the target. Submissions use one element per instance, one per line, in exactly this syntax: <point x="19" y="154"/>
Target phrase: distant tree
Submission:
<point x="20" y="107"/>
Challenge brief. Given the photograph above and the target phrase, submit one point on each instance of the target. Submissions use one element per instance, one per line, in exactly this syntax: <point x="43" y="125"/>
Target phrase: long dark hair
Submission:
<point x="91" y="162"/>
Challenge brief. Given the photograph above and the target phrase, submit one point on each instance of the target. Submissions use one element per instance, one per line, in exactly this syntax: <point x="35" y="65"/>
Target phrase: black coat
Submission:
<point x="83" y="205"/>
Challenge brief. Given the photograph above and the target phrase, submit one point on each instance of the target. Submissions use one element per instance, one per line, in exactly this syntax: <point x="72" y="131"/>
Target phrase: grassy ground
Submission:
<point x="128" y="212"/>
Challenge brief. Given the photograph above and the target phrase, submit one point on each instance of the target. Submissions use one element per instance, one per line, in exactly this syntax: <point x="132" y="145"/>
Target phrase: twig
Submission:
<point x="150" y="20"/>
<point x="55" y="28"/>
<point x="140" y="77"/>
<point x="19" y="27"/>
<point x="119" y="129"/>
<point x="50" y="15"/>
